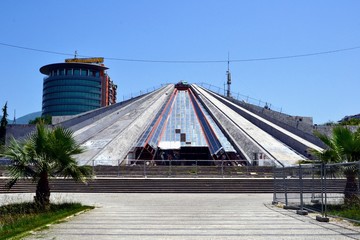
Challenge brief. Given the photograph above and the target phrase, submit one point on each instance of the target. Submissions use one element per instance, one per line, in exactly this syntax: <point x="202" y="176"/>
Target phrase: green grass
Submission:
<point x="16" y="220"/>
<point x="349" y="210"/>
<point x="345" y="211"/>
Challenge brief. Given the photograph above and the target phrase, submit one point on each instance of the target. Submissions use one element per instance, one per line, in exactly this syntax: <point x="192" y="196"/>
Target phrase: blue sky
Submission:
<point x="325" y="87"/>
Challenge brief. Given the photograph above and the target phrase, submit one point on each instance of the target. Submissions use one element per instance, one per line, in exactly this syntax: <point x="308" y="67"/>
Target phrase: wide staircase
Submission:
<point x="173" y="185"/>
<point x="148" y="185"/>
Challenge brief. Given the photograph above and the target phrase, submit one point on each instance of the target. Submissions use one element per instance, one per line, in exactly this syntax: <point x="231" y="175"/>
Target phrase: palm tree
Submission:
<point x="342" y="147"/>
<point x="45" y="153"/>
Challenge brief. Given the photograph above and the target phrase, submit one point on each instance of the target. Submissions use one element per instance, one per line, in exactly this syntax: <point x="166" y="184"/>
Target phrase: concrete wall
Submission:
<point x="304" y="124"/>
<point x="19" y="131"/>
<point x="327" y="130"/>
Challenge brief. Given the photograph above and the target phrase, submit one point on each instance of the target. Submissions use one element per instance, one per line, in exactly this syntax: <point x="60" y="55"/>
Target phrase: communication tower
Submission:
<point x="228" y="74"/>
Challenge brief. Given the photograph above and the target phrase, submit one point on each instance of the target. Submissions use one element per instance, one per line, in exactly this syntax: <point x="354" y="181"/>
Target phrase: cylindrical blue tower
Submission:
<point x="71" y="88"/>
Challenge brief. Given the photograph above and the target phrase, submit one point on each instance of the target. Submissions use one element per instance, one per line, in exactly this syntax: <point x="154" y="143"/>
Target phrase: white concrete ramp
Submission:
<point x="108" y="140"/>
<point x="273" y="148"/>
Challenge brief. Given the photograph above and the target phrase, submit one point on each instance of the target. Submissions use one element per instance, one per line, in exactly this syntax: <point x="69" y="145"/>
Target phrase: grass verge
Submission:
<point x="345" y="211"/>
<point x="16" y="220"/>
<point x="349" y="211"/>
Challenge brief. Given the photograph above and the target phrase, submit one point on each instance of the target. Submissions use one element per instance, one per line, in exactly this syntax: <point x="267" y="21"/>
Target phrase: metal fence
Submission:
<point x="241" y="97"/>
<point x="315" y="187"/>
<point x="141" y="92"/>
<point x="181" y="168"/>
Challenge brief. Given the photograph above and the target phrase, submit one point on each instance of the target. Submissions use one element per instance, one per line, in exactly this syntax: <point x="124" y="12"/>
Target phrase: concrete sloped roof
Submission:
<point x="110" y="133"/>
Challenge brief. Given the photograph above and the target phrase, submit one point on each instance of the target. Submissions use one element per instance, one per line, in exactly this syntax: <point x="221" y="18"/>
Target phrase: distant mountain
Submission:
<point x="25" y="119"/>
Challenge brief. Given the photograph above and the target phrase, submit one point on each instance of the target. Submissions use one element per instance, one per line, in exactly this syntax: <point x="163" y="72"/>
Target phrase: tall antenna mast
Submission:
<point x="14" y="122"/>
<point x="228" y="92"/>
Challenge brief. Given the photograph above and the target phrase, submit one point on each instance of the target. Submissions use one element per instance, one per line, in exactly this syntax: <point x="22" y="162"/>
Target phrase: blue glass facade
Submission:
<point x="71" y="88"/>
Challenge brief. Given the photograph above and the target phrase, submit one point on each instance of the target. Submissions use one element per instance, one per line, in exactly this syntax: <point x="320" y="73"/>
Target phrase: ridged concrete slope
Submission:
<point x="81" y="120"/>
<point x="272" y="125"/>
<point x="242" y="143"/>
<point x="294" y="139"/>
<point x="109" y="134"/>
<point x="108" y="138"/>
<point x="256" y="140"/>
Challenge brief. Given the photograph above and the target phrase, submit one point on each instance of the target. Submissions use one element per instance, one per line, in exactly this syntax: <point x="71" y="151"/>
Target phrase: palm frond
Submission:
<point x="21" y="163"/>
<point x="47" y="151"/>
<point x="78" y="173"/>
<point x="11" y="183"/>
<point x="342" y="146"/>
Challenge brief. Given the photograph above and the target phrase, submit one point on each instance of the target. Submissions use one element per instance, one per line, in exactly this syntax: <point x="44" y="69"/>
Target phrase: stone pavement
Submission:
<point x="187" y="216"/>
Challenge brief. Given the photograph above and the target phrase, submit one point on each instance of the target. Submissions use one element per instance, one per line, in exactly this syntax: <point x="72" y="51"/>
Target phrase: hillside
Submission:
<point x="25" y="119"/>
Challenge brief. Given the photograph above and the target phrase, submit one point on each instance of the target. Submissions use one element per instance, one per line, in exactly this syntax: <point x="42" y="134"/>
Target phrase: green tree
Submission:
<point x="342" y="147"/>
<point x="47" y="119"/>
<point x="3" y="124"/>
<point x="352" y="121"/>
<point x="45" y="153"/>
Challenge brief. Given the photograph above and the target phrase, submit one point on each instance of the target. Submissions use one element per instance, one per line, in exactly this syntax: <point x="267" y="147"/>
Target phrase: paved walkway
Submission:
<point x="187" y="216"/>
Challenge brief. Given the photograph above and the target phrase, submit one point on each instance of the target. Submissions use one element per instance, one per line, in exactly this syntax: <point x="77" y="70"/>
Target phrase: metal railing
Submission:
<point x="241" y="97"/>
<point x="316" y="187"/>
<point x="141" y="92"/>
<point x="180" y="168"/>
<point x="219" y="90"/>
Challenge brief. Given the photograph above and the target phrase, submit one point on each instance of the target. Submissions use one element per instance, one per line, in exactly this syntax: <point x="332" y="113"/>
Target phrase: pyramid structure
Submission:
<point x="188" y="122"/>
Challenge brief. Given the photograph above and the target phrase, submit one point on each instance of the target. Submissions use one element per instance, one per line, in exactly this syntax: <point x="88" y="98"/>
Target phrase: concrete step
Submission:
<point x="168" y="185"/>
